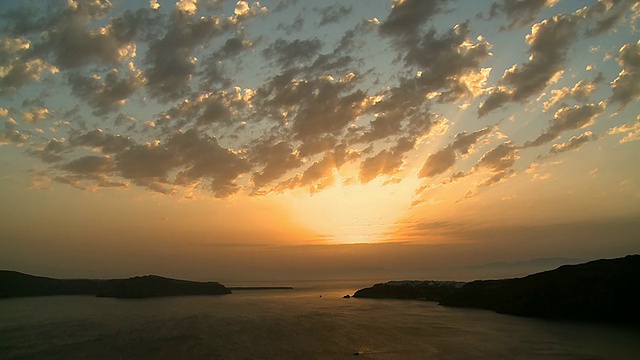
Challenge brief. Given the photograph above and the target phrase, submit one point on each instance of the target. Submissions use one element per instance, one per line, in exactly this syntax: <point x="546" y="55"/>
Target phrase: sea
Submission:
<point x="311" y="321"/>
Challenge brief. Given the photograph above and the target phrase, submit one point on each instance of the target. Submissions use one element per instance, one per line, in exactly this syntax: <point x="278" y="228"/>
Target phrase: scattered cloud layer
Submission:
<point x="220" y="97"/>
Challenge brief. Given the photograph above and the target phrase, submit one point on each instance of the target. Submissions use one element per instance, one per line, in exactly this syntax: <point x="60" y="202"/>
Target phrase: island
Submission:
<point x="410" y="289"/>
<point x="600" y="290"/>
<point x="16" y="284"/>
<point x="157" y="286"/>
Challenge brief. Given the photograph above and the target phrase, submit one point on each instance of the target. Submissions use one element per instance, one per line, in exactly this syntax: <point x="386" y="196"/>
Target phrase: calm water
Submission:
<point x="291" y="324"/>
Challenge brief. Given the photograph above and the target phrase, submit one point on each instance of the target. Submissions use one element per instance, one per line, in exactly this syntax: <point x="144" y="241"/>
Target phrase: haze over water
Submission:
<point x="283" y="139"/>
<point x="291" y="324"/>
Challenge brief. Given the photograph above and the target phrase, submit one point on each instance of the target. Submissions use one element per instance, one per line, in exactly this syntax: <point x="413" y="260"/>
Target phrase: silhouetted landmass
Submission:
<point x="15" y="284"/>
<point x="543" y="263"/>
<point x="600" y="290"/>
<point x="156" y="286"/>
<point x="410" y="289"/>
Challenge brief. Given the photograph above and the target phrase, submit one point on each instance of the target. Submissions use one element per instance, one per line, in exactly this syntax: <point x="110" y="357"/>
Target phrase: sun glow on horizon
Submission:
<point x="351" y="213"/>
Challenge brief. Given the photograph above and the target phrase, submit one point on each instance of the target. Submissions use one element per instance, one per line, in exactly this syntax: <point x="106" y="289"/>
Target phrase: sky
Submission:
<point x="293" y="139"/>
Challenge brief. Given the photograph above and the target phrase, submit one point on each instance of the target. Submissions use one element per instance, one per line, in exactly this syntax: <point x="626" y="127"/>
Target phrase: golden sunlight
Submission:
<point x="351" y="213"/>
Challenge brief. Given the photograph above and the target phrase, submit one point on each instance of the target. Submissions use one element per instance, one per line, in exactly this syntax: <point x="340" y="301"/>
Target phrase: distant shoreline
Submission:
<point x="15" y="284"/>
<point x="251" y="288"/>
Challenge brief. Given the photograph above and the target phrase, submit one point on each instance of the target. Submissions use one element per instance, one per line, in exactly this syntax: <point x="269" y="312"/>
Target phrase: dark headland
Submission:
<point x="15" y="284"/>
<point x="600" y="290"/>
<point x="157" y="286"/>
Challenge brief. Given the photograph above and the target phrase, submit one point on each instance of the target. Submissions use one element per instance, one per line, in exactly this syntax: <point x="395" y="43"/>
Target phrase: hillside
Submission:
<point x="600" y="290"/>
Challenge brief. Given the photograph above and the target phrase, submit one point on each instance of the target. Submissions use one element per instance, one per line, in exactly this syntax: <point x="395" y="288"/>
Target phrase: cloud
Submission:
<point x="192" y="157"/>
<point x="321" y="170"/>
<point x="449" y="63"/>
<point x="500" y="158"/>
<point x="244" y="11"/>
<point x="465" y="141"/>
<point x="334" y="13"/>
<point x="171" y="64"/>
<point x="233" y="47"/>
<point x="50" y="153"/>
<point x="15" y="71"/>
<point x="320" y="173"/>
<point x="170" y="59"/>
<point x="221" y="108"/>
<point x="90" y="165"/>
<point x="202" y="158"/>
<point x="386" y="162"/>
<point x="10" y="135"/>
<point x="626" y="87"/>
<point x="572" y="144"/>
<point x="443" y="160"/>
<point x="277" y="159"/>
<point x="317" y="145"/>
<point x="66" y="40"/>
<point x="497" y="172"/>
<point x="607" y="15"/>
<point x="383" y="125"/>
<point x="568" y="118"/>
<point x="35" y="115"/>
<point x="497" y="162"/>
<point x="148" y="163"/>
<point x="108" y="94"/>
<point x="492" y="180"/>
<point x="187" y="6"/>
<point x="184" y="159"/>
<point x="399" y="112"/>
<point x="97" y="139"/>
<point x="451" y="53"/>
<point x="72" y="44"/>
<point x="498" y="96"/>
<point x="89" y="172"/>
<point x="294" y="27"/>
<point x="549" y="43"/>
<point x="213" y="114"/>
<point x="287" y="54"/>
<point x="581" y="91"/>
<point x="316" y="107"/>
<point x="408" y="16"/>
<point x="520" y="13"/>
<point x="284" y="4"/>
<point x="632" y="131"/>
<point x="438" y="162"/>
<point x="404" y="108"/>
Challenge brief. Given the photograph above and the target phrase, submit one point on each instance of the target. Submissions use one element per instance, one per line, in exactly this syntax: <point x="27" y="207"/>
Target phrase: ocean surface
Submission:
<point x="312" y="321"/>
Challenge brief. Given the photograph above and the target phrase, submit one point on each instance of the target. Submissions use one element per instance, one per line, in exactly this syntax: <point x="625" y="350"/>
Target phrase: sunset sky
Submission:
<point x="295" y="139"/>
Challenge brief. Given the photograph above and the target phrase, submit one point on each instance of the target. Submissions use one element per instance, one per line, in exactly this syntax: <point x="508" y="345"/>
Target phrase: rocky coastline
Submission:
<point x="600" y="290"/>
